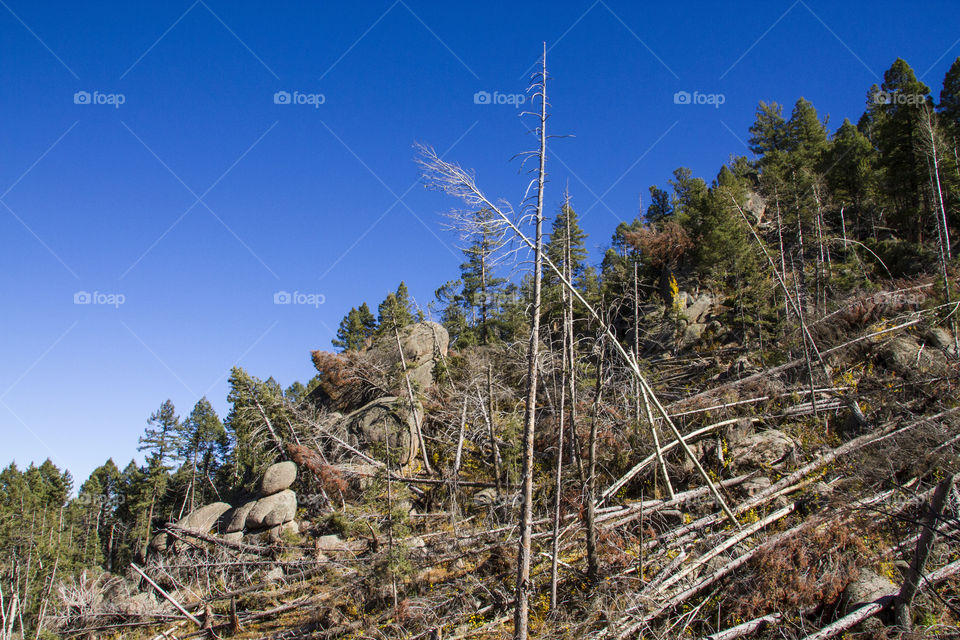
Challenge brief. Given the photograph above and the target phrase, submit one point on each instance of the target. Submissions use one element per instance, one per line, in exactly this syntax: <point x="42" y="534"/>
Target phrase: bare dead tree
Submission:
<point x="932" y="147"/>
<point x="593" y="565"/>
<point x="521" y="616"/>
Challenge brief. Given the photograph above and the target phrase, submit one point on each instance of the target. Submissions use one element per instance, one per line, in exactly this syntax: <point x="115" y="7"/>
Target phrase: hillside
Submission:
<point x="743" y="422"/>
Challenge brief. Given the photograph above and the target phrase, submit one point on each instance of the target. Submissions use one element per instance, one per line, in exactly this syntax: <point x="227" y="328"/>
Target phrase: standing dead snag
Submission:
<point x="593" y="568"/>
<point x="521" y="615"/>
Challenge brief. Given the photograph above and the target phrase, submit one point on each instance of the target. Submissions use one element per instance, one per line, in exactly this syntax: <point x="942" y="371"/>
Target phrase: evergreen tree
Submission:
<point x="159" y="439"/>
<point x="160" y="442"/>
<point x="689" y="197"/>
<point x="894" y="122"/>
<point x="481" y="289"/>
<point x="566" y="248"/>
<point x="396" y="311"/>
<point x="949" y="107"/>
<point x="103" y="492"/>
<point x="768" y="133"/>
<point x="851" y="175"/>
<point x="256" y="424"/>
<point x="453" y="308"/>
<point x="203" y="444"/>
<point x="660" y="206"/>
<point x="356" y="327"/>
<point x="348" y="333"/>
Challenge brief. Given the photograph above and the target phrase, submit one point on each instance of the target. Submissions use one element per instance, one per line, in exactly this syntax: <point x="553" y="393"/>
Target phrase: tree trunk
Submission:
<point x="901" y="605"/>
<point x="593" y="566"/>
<point x="521" y="617"/>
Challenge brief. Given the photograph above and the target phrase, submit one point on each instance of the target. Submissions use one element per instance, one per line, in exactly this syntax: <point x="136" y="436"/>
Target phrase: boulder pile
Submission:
<point x="265" y="518"/>
<point x="273" y="512"/>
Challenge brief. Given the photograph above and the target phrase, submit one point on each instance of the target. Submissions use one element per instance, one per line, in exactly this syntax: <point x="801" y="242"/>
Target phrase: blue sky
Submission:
<point x="183" y="210"/>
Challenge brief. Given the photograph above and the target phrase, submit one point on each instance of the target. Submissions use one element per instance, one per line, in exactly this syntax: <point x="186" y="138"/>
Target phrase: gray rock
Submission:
<point x="739" y="430"/>
<point x="359" y="477"/>
<point x="203" y="519"/>
<point x="274" y="575"/>
<point x="753" y="486"/>
<point x="329" y="543"/>
<point x="700" y="308"/>
<point x="692" y="335"/>
<point x="233" y="536"/>
<point x="423" y="344"/>
<point x="761" y="450"/>
<point x="941" y="339"/>
<point x="273" y="510"/>
<point x="278" y="477"/>
<point x="867" y="587"/>
<point x="908" y="358"/>
<point x="385" y="420"/>
<point x="756" y="205"/>
<point x="238" y="519"/>
<point x="160" y="542"/>
<point x="275" y="534"/>
<point x="485" y="497"/>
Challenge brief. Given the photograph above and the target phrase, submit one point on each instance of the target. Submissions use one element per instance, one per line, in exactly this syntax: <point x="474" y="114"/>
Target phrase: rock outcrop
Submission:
<point x="911" y="360"/>
<point x="761" y="450"/>
<point x="423" y="343"/>
<point x="386" y="422"/>
<point x="201" y="520"/>
<point x="267" y="517"/>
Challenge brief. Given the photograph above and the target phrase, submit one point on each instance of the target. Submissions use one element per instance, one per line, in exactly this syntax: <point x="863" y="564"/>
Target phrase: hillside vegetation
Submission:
<point x="743" y="422"/>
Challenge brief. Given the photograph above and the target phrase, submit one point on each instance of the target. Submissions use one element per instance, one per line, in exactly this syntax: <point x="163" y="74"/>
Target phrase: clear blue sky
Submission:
<point x="198" y="198"/>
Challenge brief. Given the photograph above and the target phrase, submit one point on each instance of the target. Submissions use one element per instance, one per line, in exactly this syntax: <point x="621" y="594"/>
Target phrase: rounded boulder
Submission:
<point x="270" y="511"/>
<point x="278" y="477"/>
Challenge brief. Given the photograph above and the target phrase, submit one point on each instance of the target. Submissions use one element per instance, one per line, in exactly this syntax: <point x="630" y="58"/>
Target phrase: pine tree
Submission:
<point x="660" y="206"/>
<point x="203" y="444"/>
<point x="481" y="289"/>
<point x="257" y="413"/>
<point x="103" y="491"/>
<point x="396" y="311"/>
<point x="949" y="107"/>
<point x="160" y="442"/>
<point x="894" y="123"/>
<point x="768" y="132"/>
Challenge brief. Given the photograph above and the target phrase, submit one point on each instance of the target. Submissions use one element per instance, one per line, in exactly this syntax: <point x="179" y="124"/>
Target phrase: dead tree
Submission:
<point x="521" y="616"/>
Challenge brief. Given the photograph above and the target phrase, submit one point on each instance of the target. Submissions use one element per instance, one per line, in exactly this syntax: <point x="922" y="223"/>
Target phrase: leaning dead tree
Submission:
<point x="454" y="180"/>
